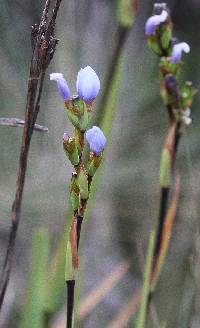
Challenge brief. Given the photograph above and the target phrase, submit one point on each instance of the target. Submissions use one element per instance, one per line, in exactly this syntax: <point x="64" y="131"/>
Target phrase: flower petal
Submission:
<point x="62" y="85"/>
<point x="87" y="84"/>
<point x="154" y="21"/>
<point x="177" y="51"/>
<point x="96" y="139"/>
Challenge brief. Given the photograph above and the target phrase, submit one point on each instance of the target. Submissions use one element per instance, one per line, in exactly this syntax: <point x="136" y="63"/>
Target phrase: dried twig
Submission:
<point x="13" y="121"/>
<point x="44" y="45"/>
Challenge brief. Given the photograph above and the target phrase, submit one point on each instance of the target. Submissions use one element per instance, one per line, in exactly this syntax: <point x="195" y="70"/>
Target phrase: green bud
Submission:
<point x="77" y="113"/>
<point x="71" y="150"/>
<point x="154" y="45"/>
<point x="166" y="35"/>
<point x="93" y="164"/>
<point x="165" y="168"/>
<point x="79" y="139"/>
<point x="83" y="183"/>
<point x="74" y="192"/>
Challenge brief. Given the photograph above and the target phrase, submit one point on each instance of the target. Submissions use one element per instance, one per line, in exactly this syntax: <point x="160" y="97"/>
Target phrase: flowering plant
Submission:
<point x="78" y="109"/>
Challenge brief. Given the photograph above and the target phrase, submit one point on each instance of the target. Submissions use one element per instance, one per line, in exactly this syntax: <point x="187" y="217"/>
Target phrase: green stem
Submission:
<point x="142" y="315"/>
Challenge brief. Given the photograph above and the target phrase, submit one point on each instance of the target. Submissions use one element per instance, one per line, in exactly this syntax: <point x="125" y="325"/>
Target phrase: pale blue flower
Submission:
<point x="154" y="21"/>
<point x="177" y="51"/>
<point x="62" y="85"/>
<point x="87" y="84"/>
<point x="96" y="140"/>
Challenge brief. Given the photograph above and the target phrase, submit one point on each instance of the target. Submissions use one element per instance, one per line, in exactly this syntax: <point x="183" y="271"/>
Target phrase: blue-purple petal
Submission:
<point x="154" y="21"/>
<point x="177" y="51"/>
<point x="87" y="84"/>
<point x="62" y="85"/>
<point x="96" y="140"/>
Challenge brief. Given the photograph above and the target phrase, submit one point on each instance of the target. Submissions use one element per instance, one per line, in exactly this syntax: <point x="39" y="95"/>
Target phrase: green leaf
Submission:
<point x="33" y="315"/>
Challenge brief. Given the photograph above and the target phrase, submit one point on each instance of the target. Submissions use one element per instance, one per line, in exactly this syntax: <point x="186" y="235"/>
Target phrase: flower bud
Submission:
<point x="96" y="140"/>
<point x="77" y="113"/>
<point x="62" y="85"/>
<point x="83" y="183"/>
<point x="93" y="163"/>
<point x="177" y="51"/>
<point x="71" y="150"/>
<point x="87" y="84"/>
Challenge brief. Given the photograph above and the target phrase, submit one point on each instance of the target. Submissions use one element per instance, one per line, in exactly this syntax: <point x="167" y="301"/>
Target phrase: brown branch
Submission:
<point x="44" y="45"/>
<point x="13" y="122"/>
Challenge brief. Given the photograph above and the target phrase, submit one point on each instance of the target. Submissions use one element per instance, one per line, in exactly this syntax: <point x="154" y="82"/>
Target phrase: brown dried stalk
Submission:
<point x="44" y="45"/>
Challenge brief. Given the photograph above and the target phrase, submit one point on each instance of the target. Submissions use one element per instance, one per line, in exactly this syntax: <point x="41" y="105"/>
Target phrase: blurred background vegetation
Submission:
<point x="126" y="204"/>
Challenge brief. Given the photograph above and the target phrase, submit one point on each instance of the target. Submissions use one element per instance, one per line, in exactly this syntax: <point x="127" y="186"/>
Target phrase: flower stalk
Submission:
<point x="78" y="110"/>
<point x="177" y="97"/>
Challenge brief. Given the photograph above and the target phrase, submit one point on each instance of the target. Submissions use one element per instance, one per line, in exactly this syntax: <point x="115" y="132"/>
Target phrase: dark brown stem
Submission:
<point x="44" y="45"/>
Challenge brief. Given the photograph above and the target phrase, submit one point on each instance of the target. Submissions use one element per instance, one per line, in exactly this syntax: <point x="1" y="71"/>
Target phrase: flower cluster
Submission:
<point x="87" y="87"/>
<point x="158" y="31"/>
<point x="176" y="95"/>
<point x="78" y="109"/>
<point x="87" y="84"/>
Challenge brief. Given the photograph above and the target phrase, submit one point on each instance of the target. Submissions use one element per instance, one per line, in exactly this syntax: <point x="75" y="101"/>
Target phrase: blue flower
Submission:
<point x="154" y="21"/>
<point x="177" y="51"/>
<point x="87" y="84"/>
<point x="62" y="85"/>
<point x="96" y="140"/>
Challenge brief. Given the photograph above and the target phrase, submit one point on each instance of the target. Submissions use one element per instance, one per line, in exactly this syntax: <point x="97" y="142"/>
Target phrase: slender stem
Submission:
<point x="78" y="228"/>
<point x="44" y="45"/>
<point x="162" y="214"/>
<point x="13" y="121"/>
<point x="71" y="283"/>
<point x="70" y="302"/>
